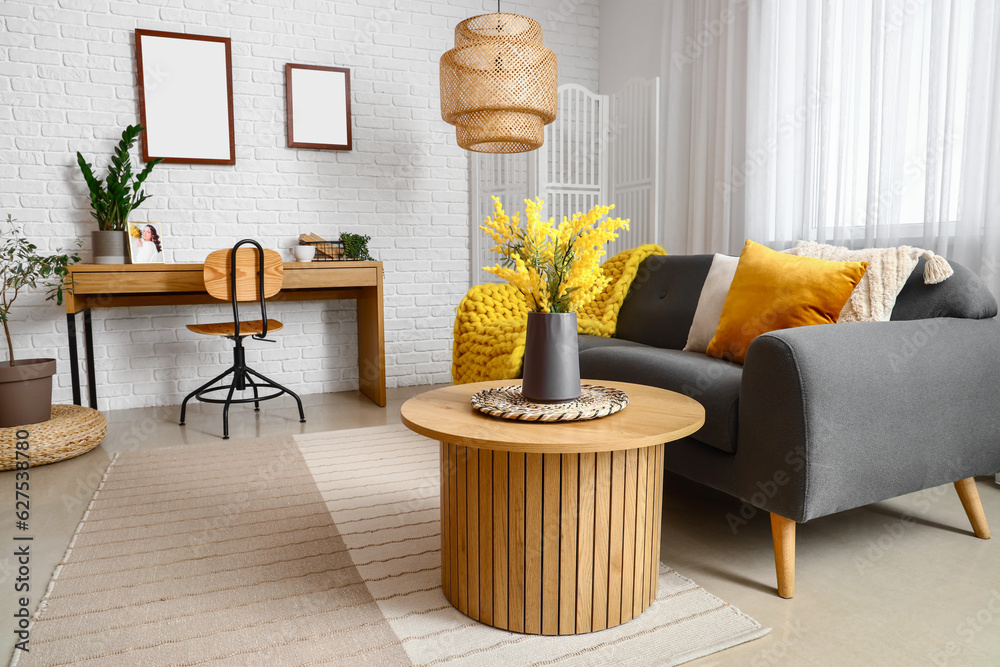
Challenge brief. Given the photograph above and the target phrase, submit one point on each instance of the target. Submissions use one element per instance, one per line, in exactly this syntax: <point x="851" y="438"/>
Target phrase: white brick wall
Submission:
<point x="67" y="81"/>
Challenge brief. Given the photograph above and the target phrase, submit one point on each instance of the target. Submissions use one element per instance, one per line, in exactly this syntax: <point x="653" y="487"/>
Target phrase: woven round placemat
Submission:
<point x="507" y="402"/>
<point x="72" y="430"/>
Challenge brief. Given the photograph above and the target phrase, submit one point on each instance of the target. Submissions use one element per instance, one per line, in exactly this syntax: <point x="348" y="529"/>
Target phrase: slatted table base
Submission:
<point x="551" y="544"/>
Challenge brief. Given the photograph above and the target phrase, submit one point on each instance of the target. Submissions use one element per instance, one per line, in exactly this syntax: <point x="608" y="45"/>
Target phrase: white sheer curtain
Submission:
<point x="855" y="122"/>
<point x="703" y="86"/>
<point x="977" y="230"/>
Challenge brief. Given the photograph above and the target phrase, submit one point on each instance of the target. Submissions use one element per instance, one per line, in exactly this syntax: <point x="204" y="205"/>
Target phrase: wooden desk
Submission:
<point x="123" y="285"/>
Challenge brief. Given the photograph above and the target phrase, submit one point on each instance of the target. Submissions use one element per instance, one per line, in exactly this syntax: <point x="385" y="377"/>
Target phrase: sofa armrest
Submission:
<point x="835" y="417"/>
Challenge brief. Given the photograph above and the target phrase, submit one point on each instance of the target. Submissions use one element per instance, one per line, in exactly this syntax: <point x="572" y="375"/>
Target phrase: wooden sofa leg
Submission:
<point x="783" y="535"/>
<point x="969" y="496"/>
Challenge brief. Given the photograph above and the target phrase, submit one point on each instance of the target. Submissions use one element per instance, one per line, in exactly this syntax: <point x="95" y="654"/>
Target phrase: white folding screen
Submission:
<point x="635" y="151"/>
<point x="509" y="177"/>
<point x="600" y="149"/>
<point x="574" y="159"/>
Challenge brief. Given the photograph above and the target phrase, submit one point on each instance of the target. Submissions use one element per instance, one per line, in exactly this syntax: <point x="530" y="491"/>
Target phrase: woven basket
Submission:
<point x="72" y="430"/>
<point x="499" y="84"/>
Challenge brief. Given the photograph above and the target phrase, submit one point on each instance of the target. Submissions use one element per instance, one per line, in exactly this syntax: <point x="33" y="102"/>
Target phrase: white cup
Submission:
<point x="304" y="253"/>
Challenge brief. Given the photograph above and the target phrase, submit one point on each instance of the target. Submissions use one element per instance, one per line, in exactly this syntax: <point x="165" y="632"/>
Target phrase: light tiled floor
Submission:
<point x="901" y="582"/>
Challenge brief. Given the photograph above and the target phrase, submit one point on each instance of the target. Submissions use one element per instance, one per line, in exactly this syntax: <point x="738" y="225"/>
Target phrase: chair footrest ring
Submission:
<point x="201" y="395"/>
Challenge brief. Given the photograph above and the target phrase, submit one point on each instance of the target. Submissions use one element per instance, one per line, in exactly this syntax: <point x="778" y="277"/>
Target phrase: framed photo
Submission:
<point x="145" y="242"/>
<point x="185" y="97"/>
<point x="318" y="104"/>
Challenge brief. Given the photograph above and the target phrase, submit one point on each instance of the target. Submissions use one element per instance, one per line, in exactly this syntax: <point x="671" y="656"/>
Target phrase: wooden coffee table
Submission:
<point x="551" y="528"/>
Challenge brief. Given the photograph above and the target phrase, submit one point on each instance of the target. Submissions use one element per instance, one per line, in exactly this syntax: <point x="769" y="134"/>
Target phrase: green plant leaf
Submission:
<point x="21" y="267"/>
<point x="113" y="199"/>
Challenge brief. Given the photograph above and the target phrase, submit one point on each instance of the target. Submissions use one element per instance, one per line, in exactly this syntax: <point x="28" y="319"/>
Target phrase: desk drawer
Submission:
<point x="137" y="282"/>
<point x="316" y="278"/>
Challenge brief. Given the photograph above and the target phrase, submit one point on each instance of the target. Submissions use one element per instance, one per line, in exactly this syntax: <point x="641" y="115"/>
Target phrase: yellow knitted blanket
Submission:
<point x="492" y="318"/>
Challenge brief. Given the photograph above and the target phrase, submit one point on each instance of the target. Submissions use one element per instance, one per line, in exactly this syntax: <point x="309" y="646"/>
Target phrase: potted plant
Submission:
<point x="26" y="384"/>
<point x="557" y="269"/>
<point x="114" y="198"/>
<point x="356" y="246"/>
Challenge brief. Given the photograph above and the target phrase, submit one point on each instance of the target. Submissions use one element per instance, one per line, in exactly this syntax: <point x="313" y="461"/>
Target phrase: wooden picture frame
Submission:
<point x="185" y="97"/>
<point x="318" y="107"/>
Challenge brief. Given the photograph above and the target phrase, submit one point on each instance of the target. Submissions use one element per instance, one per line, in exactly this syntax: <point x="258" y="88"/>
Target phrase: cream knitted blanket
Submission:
<point x="888" y="268"/>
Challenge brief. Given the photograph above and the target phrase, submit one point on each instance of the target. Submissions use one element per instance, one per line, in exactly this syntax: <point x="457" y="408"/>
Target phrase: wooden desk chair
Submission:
<point x="241" y="275"/>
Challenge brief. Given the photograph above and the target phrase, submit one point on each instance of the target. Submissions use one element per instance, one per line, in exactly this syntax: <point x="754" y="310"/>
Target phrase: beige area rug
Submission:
<point x="320" y="549"/>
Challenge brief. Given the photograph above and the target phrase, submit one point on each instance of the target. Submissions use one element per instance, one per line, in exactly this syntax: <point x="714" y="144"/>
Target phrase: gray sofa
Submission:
<point x="821" y="419"/>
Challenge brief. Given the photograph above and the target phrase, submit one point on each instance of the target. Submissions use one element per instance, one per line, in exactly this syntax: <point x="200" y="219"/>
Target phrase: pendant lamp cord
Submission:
<point x="499" y="60"/>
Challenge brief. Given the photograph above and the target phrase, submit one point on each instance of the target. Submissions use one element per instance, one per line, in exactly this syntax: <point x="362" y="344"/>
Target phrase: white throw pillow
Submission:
<point x="713" y="296"/>
<point x="888" y="268"/>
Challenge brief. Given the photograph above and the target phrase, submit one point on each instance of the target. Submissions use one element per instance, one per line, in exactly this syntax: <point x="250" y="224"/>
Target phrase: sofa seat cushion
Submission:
<point x="715" y="383"/>
<point x="588" y="342"/>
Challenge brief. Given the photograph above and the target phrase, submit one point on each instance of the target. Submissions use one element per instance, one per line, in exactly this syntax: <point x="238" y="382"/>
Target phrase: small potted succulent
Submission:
<point x="26" y="384"/>
<point x="115" y="197"/>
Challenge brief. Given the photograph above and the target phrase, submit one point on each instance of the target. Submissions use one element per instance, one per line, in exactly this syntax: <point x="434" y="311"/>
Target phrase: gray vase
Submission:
<point x="551" y="358"/>
<point x="110" y="247"/>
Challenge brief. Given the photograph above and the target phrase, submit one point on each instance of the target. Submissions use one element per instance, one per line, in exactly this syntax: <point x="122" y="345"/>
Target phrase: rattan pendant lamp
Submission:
<point x="498" y="85"/>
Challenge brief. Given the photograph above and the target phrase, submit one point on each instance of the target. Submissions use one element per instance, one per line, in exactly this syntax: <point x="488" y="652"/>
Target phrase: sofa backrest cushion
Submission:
<point x="662" y="300"/>
<point x="963" y="295"/>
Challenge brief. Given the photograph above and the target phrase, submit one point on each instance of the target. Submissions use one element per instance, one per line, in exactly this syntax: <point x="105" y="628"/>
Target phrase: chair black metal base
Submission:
<point x="242" y="378"/>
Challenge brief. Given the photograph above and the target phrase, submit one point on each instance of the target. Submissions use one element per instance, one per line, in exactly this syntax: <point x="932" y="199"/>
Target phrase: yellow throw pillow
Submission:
<point x="772" y="290"/>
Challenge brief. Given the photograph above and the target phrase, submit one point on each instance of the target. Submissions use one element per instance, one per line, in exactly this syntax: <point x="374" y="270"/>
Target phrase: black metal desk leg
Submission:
<point x="74" y="357"/>
<point x="88" y="336"/>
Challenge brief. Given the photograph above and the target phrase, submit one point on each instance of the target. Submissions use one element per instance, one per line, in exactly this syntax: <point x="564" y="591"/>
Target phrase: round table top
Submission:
<point x="653" y="416"/>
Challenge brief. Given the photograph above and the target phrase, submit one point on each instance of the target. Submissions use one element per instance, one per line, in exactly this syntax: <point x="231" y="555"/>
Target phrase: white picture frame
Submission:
<point x="185" y="97"/>
<point x="318" y="107"/>
<point x="145" y="242"/>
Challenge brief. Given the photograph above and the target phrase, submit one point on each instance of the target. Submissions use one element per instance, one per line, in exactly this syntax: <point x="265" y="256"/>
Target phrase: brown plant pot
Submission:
<point x="26" y="391"/>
